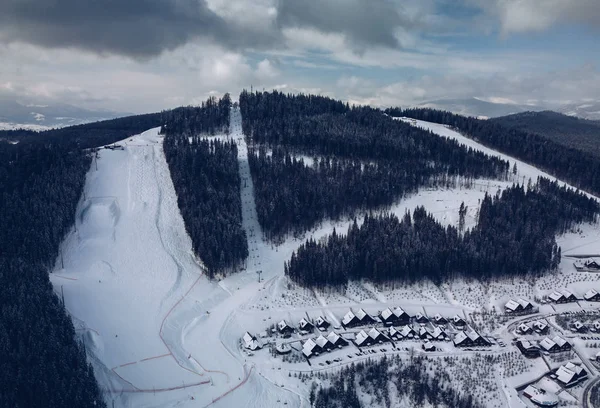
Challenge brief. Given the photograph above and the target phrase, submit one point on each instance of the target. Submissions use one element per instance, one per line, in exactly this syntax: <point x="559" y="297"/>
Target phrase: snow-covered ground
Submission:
<point x="162" y="335"/>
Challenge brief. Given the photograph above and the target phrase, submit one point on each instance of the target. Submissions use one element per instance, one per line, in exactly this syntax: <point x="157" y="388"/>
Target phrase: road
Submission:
<point x="587" y="393"/>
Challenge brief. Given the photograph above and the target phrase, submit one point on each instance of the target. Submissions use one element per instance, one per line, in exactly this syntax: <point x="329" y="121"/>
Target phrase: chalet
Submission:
<point x="513" y="307"/>
<point x="251" y="342"/>
<point x="595" y="326"/>
<point x="377" y="336"/>
<point x="407" y="332"/>
<point x="570" y="374"/>
<point x="439" y="319"/>
<point x="438" y="334"/>
<point x="323" y="343"/>
<point x="336" y="340"/>
<point x="394" y="333"/>
<point x="458" y="322"/>
<point x="540" y="327"/>
<point x="350" y="320"/>
<point x="527" y="348"/>
<point x="469" y="338"/>
<point x="394" y="317"/>
<point x="557" y="297"/>
<point x="540" y="396"/>
<point x="524" y="329"/>
<point x="364" y="317"/>
<point x="304" y="326"/>
<point x="598" y="357"/>
<point x="424" y="333"/>
<point x="592" y="296"/>
<point x="589" y="264"/>
<point x="526" y="305"/>
<point x="427" y="346"/>
<point x="579" y="327"/>
<point x="322" y="323"/>
<point x="284" y="328"/>
<point x="421" y="319"/>
<point x="563" y="344"/>
<point x="310" y="348"/>
<point x="569" y="296"/>
<point x="549" y="346"/>
<point x="362" y="339"/>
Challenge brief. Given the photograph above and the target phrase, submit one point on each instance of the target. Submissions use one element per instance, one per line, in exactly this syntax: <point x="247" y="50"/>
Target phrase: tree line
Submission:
<point x="206" y="178"/>
<point x="578" y="167"/>
<point x="41" y="180"/>
<point x="212" y="116"/>
<point x="514" y="236"/>
<point x="413" y="385"/>
<point x="370" y="159"/>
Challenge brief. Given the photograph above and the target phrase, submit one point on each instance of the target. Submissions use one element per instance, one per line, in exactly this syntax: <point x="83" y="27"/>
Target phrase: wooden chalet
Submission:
<point x="595" y="326"/>
<point x="469" y="339"/>
<point x="459" y="322"/>
<point x="440" y="320"/>
<point x="549" y="345"/>
<point x="424" y="333"/>
<point x="322" y="323"/>
<point x="570" y="374"/>
<point x="540" y="327"/>
<point x="250" y="342"/>
<point x="589" y="264"/>
<point x="540" y="396"/>
<point x="323" y="343"/>
<point x="563" y="344"/>
<point x="524" y="329"/>
<point x="428" y="346"/>
<point x="310" y="348"/>
<point x="284" y="328"/>
<point x="365" y="318"/>
<point x="592" y="296"/>
<point x="527" y="348"/>
<point x="421" y="319"/>
<point x="350" y="319"/>
<point x="579" y="327"/>
<point x="394" y="317"/>
<point x="407" y="332"/>
<point x="336" y="340"/>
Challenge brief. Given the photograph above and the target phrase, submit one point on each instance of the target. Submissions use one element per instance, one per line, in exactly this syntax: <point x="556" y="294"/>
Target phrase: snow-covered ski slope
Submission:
<point x="162" y="335"/>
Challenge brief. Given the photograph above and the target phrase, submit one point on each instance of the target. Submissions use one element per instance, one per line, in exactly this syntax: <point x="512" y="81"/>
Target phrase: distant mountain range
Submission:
<point x="20" y="114"/>
<point x="482" y="108"/>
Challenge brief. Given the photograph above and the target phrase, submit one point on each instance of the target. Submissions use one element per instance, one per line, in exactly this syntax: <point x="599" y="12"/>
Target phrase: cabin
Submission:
<point x="459" y="322"/>
<point x="579" y="327"/>
<point x="438" y="334"/>
<point x="365" y="318"/>
<point x="421" y="319"/>
<point x="396" y="317"/>
<point x="540" y="327"/>
<point x="557" y="297"/>
<point x="407" y="332"/>
<point x="589" y="264"/>
<point x="512" y="307"/>
<point x="592" y="296"/>
<point x="284" y="328"/>
<point x="424" y="333"/>
<point x="304" y="326"/>
<point x="323" y="343"/>
<point x="563" y="344"/>
<point x="527" y="348"/>
<point x="428" y="346"/>
<point x="394" y="333"/>
<point x="440" y="320"/>
<point x="549" y="346"/>
<point x="350" y="319"/>
<point x="595" y="326"/>
<point x="336" y="340"/>
<point x="250" y="342"/>
<point x="362" y="339"/>
<point x="470" y="338"/>
<point x="570" y="374"/>
<point x="569" y="296"/>
<point x="524" y="329"/>
<point x="322" y="323"/>
<point x="540" y="396"/>
<point x="310" y="348"/>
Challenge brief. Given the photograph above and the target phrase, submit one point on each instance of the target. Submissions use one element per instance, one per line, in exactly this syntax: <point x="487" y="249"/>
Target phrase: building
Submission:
<point x="394" y="333"/>
<point x="563" y="344"/>
<point x="304" y="326"/>
<point x="569" y="374"/>
<point x="428" y="346"/>
<point x="438" y="319"/>
<point x="407" y="332"/>
<point x="524" y="329"/>
<point x="336" y="340"/>
<point x="579" y="327"/>
<point x="374" y="336"/>
<point x="469" y="339"/>
<point x="350" y="319"/>
<point x="323" y="343"/>
<point x="527" y="348"/>
<point x="569" y="296"/>
<point x="438" y="334"/>
<point x="424" y="333"/>
<point x="284" y="328"/>
<point x="540" y="327"/>
<point x="513" y="307"/>
<point x="557" y="297"/>
<point x="310" y="348"/>
<point x="395" y="317"/>
<point x="595" y="326"/>
<point x="589" y="264"/>
<point x="549" y="346"/>
<point x="459" y="322"/>
<point x="283" y="348"/>
<point x="250" y="342"/>
<point x="592" y="296"/>
<point x="322" y="323"/>
<point x="421" y="319"/>
<point x="365" y="318"/>
<point x="540" y="396"/>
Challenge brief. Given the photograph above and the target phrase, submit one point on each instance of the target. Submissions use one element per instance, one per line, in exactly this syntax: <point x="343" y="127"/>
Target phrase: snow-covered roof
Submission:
<point x="375" y="334"/>
<point x="547" y="344"/>
<point x="540" y="325"/>
<point x="333" y="337"/>
<point x="460" y="337"/>
<point x="399" y="312"/>
<point x="321" y="321"/>
<point x="361" y="337"/>
<point x="282" y="325"/>
<point x="438" y="317"/>
<point x="348" y="317"/>
<point x="387" y="313"/>
<point x="540" y="396"/>
<point x="526" y="344"/>
<point x="419" y="316"/>
<point x="393" y="331"/>
<point x="524" y="303"/>
<point x="597" y="324"/>
<point x="322" y="342"/>
<point x="250" y="342"/>
<point x="576" y="368"/>
<point x="303" y="323"/>
<point x="458" y="319"/>
<point x="555" y="296"/>
<point x="423" y="331"/>
<point x="428" y="346"/>
<point x="559" y="341"/>
<point x="361" y="314"/>
<point x="473" y="335"/>
<point x="578" y="325"/>
<point x="566" y="293"/>
<point x="564" y="375"/>
<point x="523" y="328"/>
<point x="437" y="333"/>
<point x="590" y="294"/>
<point x="308" y="347"/>
<point x="406" y="330"/>
<point x="512" y="305"/>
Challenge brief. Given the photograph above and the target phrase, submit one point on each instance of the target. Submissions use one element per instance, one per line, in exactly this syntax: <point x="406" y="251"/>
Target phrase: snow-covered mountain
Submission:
<point x="34" y="115"/>
<point x="586" y="110"/>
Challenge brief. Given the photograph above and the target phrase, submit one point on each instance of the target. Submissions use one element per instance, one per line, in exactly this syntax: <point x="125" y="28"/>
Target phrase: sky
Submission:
<point x="147" y="55"/>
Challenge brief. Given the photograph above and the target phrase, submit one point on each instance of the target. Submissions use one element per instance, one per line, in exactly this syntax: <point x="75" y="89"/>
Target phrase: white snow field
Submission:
<point x="160" y="334"/>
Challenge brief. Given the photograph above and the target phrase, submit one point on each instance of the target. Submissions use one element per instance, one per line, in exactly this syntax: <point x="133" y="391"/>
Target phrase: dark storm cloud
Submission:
<point x="137" y="28"/>
<point x="145" y="28"/>
<point x="364" y="22"/>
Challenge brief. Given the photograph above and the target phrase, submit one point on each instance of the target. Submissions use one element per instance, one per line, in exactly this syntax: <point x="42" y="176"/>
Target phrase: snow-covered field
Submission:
<point x="162" y="335"/>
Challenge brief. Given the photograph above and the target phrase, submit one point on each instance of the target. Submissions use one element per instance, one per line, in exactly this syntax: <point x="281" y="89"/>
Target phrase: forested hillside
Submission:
<point x="514" y="236"/>
<point x="42" y="364"/>
<point x="206" y="178"/>
<point x="412" y="384"/>
<point x="367" y="159"/>
<point x="566" y="130"/>
<point x="577" y="167"/>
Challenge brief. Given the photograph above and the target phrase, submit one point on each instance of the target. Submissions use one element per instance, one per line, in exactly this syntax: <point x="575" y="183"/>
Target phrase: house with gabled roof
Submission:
<point x="250" y="342"/>
<point x="592" y="295"/>
<point x="540" y="327"/>
<point x="362" y="339"/>
<point x="394" y="317"/>
<point x="570" y="374"/>
<point x="428" y="346"/>
<point x="524" y="329"/>
<point x="364" y="317"/>
<point x="557" y="297"/>
<point x="284" y="328"/>
<point x="540" y="396"/>
<point x="323" y="343"/>
<point x="439" y="319"/>
<point x="513" y="307"/>
<point x="322" y="323"/>
<point x="595" y="326"/>
<point x="526" y="305"/>
<point x="469" y="338"/>
<point x="563" y="344"/>
<point x="438" y="334"/>
<point x="458" y="322"/>
<point x="304" y="326"/>
<point x="579" y="327"/>
<point x="421" y="319"/>
<point x="424" y="333"/>
<point x="589" y="264"/>
<point x="407" y="332"/>
<point x="350" y="319"/>
<point x="336" y="340"/>
<point x="394" y="333"/>
<point x="549" y="346"/>
<point x="310" y="348"/>
<point x="527" y="348"/>
<point x="569" y="296"/>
